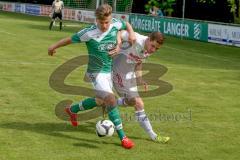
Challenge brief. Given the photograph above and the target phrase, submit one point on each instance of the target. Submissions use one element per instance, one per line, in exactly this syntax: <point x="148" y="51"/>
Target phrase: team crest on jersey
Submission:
<point x="108" y="46"/>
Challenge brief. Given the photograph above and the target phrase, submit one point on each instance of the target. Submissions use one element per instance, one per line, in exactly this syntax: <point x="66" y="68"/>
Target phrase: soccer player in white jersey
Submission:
<point x="57" y="8"/>
<point x="127" y="74"/>
<point x="100" y="39"/>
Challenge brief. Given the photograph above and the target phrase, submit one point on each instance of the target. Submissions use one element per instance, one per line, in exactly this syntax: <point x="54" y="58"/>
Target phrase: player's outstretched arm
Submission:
<point x="132" y="36"/>
<point x="140" y="81"/>
<point x="61" y="43"/>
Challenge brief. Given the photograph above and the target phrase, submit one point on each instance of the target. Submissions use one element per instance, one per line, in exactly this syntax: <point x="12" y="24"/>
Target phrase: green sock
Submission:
<point x="114" y="116"/>
<point x="86" y="104"/>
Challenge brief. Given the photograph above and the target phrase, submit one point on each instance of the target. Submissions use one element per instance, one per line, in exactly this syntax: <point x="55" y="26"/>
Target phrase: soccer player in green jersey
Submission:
<point x="101" y="42"/>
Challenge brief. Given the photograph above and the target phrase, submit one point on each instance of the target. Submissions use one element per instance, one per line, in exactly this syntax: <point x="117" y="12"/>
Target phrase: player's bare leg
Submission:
<point x="142" y="118"/>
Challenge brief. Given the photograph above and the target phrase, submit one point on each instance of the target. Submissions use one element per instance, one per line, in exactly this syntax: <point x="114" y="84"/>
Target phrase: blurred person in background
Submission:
<point x="57" y="8"/>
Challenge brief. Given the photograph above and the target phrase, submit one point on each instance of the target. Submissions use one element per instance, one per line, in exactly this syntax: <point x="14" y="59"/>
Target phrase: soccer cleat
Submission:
<point x="161" y="139"/>
<point x="127" y="143"/>
<point x="73" y="116"/>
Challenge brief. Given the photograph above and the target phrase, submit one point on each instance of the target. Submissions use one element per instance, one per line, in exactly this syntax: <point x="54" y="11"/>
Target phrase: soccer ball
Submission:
<point x="104" y="128"/>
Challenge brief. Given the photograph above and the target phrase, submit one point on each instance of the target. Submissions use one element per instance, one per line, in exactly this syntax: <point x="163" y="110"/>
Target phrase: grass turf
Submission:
<point x="200" y="114"/>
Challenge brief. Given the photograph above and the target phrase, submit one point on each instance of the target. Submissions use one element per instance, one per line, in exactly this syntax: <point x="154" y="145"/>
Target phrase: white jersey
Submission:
<point x="124" y="63"/>
<point x="57" y="6"/>
<point x="130" y="55"/>
<point x="135" y="53"/>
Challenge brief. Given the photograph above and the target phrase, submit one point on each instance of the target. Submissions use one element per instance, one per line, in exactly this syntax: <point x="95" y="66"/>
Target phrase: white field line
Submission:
<point x="12" y="34"/>
<point x="9" y="62"/>
<point x="67" y="25"/>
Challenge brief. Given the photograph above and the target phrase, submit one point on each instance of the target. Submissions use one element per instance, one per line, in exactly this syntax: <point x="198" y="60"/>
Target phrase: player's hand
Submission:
<point x="144" y="83"/>
<point x="51" y="51"/>
<point x="114" y="51"/>
<point x="145" y="86"/>
<point x="132" y="38"/>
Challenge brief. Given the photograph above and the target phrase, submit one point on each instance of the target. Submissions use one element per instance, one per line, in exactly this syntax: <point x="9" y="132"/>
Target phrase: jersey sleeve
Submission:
<point x="53" y="4"/>
<point x="119" y="24"/>
<point x="81" y="36"/>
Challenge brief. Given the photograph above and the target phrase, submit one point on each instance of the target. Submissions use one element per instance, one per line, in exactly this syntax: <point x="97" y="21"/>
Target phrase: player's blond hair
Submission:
<point x="156" y="36"/>
<point x="103" y="11"/>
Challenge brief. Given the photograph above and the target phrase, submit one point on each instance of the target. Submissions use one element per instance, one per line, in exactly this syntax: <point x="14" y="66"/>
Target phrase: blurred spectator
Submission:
<point x="155" y="11"/>
<point x="57" y="8"/>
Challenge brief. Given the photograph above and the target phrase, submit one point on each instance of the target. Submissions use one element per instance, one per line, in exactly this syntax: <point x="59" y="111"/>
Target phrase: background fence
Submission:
<point x="190" y="29"/>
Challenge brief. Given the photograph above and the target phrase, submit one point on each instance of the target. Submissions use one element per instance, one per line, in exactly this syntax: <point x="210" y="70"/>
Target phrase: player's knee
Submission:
<point x="110" y="100"/>
<point x="99" y="101"/>
<point x="131" y="102"/>
<point x="139" y="103"/>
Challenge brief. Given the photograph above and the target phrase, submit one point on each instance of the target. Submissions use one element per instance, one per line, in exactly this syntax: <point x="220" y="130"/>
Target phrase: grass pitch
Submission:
<point x="201" y="113"/>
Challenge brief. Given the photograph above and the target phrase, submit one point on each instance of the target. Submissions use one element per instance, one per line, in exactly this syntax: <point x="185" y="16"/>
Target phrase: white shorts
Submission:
<point x="102" y="83"/>
<point x="125" y="84"/>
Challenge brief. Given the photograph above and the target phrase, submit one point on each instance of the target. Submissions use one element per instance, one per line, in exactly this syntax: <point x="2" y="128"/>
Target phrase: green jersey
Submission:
<point x="98" y="44"/>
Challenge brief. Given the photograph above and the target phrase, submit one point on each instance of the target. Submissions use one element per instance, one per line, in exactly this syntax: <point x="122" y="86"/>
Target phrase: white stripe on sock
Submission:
<point x="118" y="127"/>
<point x="80" y="106"/>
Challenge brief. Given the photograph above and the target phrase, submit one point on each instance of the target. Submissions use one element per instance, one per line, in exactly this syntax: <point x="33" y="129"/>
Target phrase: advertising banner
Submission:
<point x="123" y="17"/>
<point x="170" y="26"/>
<point x="190" y="29"/>
<point x="69" y="14"/>
<point x="85" y="16"/>
<point x="8" y="7"/>
<point x="32" y="9"/>
<point x="19" y="8"/>
<point x="1" y="6"/>
<point x="222" y="34"/>
<point x="89" y="16"/>
<point x="45" y="10"/>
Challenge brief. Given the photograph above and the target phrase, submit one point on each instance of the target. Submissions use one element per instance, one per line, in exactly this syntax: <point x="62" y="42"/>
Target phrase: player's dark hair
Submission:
<point x="103" y="11"/>
<point x="156" y="36"/>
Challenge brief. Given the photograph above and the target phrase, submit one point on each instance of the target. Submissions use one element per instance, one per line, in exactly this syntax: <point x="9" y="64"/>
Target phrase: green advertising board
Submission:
<point x="170" y="26"/>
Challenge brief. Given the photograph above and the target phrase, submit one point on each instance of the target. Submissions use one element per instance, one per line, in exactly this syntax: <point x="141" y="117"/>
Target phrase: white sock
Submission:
<point x="80" y="106"/>
<point x="145" y="123"/>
